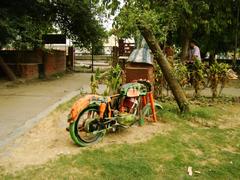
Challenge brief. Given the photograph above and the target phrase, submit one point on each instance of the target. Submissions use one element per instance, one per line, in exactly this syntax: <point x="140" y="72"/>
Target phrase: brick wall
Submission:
<point x="18" y="56"/>
<point x="26" y="71"/>
<point x="29" y="71"/>
<point x="25" y="64"/>
<point x="54" y="62"/>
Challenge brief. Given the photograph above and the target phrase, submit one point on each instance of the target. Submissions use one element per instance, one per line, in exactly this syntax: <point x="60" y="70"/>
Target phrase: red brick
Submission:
<point x="54" y="62"/>
<point x="26" y="71"/>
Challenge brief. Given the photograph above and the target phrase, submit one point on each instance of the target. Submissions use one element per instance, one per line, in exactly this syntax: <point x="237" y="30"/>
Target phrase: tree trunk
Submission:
<point x="165" y="67"/>
<point x="236" y="38"/>
<point x="212" y="59"/>
<point x="7" y="70"/>
<point x="184" y="53"/>
<point x="185" y="36"/>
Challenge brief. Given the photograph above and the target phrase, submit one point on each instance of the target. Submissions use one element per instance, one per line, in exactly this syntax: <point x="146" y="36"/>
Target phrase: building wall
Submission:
<point x="26" y="64"/>
<point x="54" y="62"/>
<point x="26" y="71"/>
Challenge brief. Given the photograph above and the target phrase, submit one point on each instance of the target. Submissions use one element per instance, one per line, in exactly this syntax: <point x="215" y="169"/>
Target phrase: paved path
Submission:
<point x="227" y="91"/>
<point x="23" y="105"/>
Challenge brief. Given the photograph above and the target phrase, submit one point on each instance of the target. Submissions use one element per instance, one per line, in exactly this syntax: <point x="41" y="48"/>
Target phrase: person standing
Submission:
<point x="194" y="65"/>
<point x="194" y="52"/>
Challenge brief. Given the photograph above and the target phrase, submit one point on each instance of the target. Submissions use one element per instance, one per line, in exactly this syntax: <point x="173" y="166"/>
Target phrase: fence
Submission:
<point x="89" y="61"/>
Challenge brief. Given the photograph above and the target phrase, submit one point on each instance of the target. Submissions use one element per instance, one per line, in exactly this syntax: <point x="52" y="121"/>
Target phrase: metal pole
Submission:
<point x="92" y="57"/>
<point x="92" y="42"/>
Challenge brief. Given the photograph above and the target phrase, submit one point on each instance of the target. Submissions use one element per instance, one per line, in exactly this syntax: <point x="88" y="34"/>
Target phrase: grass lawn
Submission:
<point x="207" y="139"/>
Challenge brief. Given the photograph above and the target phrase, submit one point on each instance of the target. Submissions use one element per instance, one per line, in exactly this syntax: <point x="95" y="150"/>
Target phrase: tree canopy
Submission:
<point x="210" y="22"/>
<point x="22" y="23"/>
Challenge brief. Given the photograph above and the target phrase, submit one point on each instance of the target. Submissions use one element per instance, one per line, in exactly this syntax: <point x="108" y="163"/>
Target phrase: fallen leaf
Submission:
<point x="198" y="172"/>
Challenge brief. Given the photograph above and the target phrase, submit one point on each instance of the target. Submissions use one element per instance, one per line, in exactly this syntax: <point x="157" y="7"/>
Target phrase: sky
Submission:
<point x="107" y="22"/>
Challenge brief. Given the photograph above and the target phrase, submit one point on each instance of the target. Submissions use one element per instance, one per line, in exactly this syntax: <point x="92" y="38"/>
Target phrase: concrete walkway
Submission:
<point x="21" y="106"/>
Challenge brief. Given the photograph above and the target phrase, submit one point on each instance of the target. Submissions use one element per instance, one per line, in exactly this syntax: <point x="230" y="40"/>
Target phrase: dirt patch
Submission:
<point x="230" y="122"/>
<point x="231" y="149"/>
<point x="203" y="123"/>
<point x="49" y="139"/>
<point x="212" y="161"/>
<point x="232" y="119"/>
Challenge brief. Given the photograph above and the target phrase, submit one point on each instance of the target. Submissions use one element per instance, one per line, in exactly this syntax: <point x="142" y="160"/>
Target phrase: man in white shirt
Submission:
<point x="194" y="52"/>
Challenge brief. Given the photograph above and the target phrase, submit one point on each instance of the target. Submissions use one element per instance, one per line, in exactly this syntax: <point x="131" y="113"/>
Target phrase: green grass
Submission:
<point x="171" y="112"/>
<point x="213" y="151"/>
